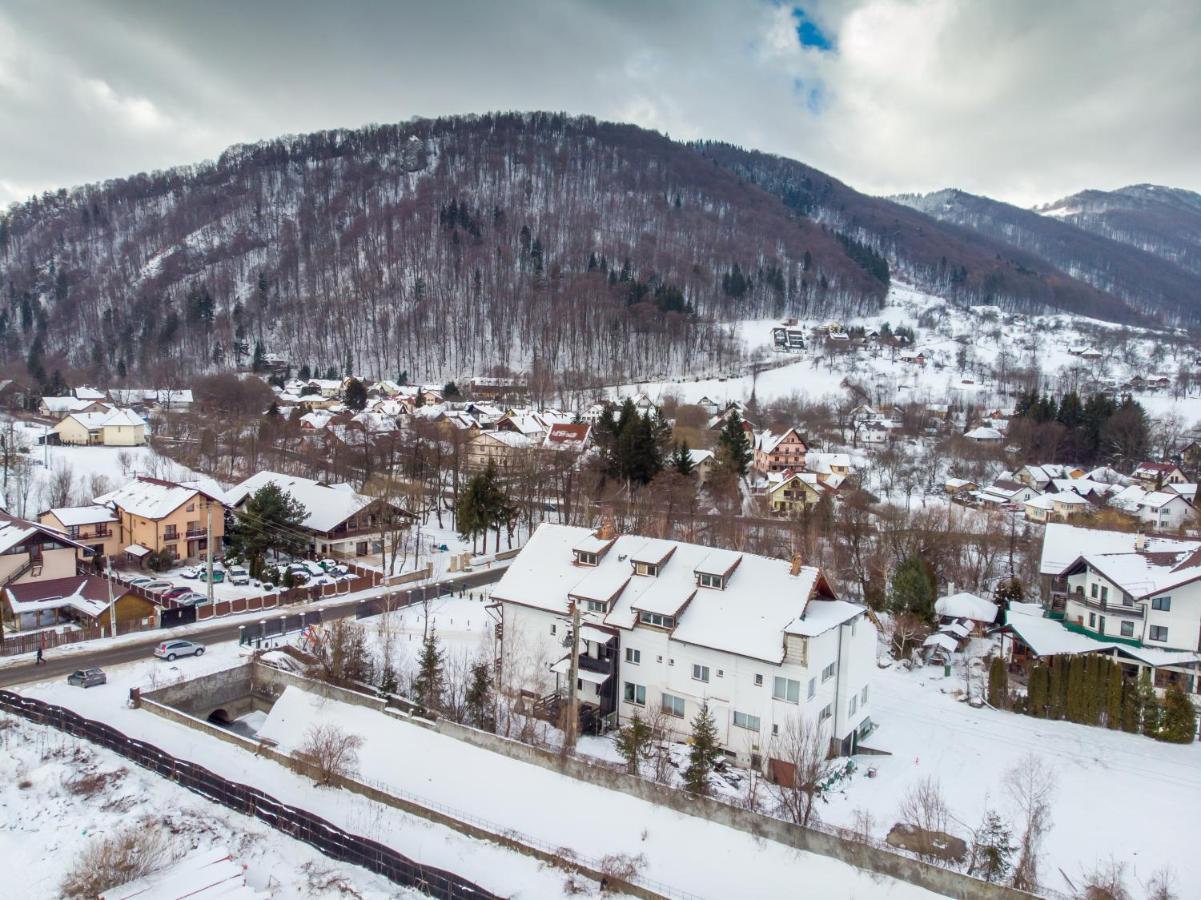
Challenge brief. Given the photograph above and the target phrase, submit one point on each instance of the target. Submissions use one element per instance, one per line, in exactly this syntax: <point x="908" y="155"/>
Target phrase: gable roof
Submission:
<point x="155" y="498"/>
<point x="326" y="505"/>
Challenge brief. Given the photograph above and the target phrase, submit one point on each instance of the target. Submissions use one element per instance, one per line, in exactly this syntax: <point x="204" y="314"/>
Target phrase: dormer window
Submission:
<point x="641" y="568"/>
<point x="585" y="558"/>
<point x="598" y="606"/>
<point x="657" y="620"/>
<point x="711" y="581"/>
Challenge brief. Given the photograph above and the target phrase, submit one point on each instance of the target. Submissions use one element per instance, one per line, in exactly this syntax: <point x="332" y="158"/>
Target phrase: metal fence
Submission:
<point x="300" y="824"/>
<point x="277" y="626"/>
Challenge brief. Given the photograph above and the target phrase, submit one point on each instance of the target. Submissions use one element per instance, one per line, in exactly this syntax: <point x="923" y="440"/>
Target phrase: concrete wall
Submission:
<point x="229" y="689"/>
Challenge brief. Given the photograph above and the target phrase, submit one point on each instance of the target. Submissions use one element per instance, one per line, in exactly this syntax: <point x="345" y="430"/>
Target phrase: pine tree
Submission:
<point x="1179" y="724"/>
<point x="270" y="519"/>
<point x="633" y="743"/>
<point x="1132" y="707"/>
<point x="681" y="459"/>
<point x="998" y="683"/>
<point x="913" y="587"/>
<point x="993" y="850"/>
<point x="1113" y="696"/>
<point x="704" y="752"/>
<point x="1037" y="691"/>
<point x="1152" y="711"/>
<point x="427" y="685"/>
<point x="734" y="452"/>
<point x="478" y="700"/>
<point x="258" y="362"/>
<point x="388" y="682"/>
<point x="355" y="395"/>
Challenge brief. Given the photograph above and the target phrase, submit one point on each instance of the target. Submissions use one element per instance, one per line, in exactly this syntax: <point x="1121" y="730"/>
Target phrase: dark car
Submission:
<point x="86" y="678"/>
<point x="176" y="593"/>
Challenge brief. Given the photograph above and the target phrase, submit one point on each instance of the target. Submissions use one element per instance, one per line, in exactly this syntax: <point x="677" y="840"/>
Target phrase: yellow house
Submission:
<point x="157" y="516"/>
<point x="790" y="496"/>
<point x="110" y="428"/>
<point x="500" y="447"/>
<point x="93" y="526"/>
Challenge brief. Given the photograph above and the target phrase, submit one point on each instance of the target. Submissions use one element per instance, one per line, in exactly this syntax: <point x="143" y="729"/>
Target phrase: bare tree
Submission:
<point x="801" y="760"/>
<point x="1106" y="881"/>
<point x="332" y="752"/>
<point x="1031" y="786"/>
<point x="60" y="489"/>
<point x="924" y="808"/>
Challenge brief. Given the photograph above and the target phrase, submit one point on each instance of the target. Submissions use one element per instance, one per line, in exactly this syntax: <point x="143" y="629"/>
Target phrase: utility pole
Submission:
<point x="112" y="606"/>
<point x="208" y="543"/>
<point x="572" y="726"/>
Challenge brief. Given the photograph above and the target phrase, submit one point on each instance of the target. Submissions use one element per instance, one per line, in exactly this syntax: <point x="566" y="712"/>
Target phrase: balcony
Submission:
<point x="1109" y="609"/>
<point x="600" y="666"/>
<point x="194" y="533"/>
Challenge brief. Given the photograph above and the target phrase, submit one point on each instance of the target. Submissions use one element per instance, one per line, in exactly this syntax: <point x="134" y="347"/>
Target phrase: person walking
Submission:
<point x="41" y="658"/>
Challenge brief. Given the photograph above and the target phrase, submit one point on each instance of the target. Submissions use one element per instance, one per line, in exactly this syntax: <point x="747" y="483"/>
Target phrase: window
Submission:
<point x="1159" y="633"/>
<point x="721" y="674"/>
<point x="1127" y="629"/>
<point x="646" y="569"/>
<point x="711" y="581"/>
<point x="863" y="695"/>
<point x="1092" y="620"/>
<point x="700" y="673"/>
<point x="1092" y="590"/>
<point x="825" y="713"/>
<point x="812" y="688"/>
<point x="775" y="729"/>
<point x="828" y="672"/>
<point x="599" y="606"/>
<point x="635" y="693"/>
<point x="656" y="619"/>
<point x="584" y="558"/>
<point x="787" y="690"/>
<point x="658" y="659"/>
<point x="1127" y="600"/>
<point x="1163" y="604"/>
<point x="673" y="706"/>
<point x="743" y="720"/>
<point x="1104" y="594"/>
<point x="758" y="680"/>
<point x="633" y="657"/>
<point x="853" y="704"/>
<point x="553" y="628"/>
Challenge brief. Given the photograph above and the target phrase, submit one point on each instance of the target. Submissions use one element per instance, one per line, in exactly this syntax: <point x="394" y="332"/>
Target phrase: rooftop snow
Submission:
<point x="152" y="498"/>
<point x="326" y="505"/>
<point x="72" y="516"/>
<point x="966" y="606"/>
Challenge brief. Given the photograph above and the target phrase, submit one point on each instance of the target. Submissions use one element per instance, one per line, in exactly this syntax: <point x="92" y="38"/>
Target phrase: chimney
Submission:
<point x="796" y="565"/>
<point x="1140" y="542"/>
<point x="607" y="530"/>
<point x="950" y="589"/>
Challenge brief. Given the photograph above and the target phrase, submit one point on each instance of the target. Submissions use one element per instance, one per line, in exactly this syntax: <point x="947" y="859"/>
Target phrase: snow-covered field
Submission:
<point x="1118" y="795"/>
<point x="49" y="815"/>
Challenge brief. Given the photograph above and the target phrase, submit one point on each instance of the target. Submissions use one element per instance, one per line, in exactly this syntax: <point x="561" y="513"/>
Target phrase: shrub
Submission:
<point x="114" y="859"/>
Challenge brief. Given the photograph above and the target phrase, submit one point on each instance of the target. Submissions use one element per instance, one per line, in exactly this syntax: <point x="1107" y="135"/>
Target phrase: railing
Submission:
<point x="289" y="820"/>
<point x="1105" y="606"/>
<point x="196" y="533"/>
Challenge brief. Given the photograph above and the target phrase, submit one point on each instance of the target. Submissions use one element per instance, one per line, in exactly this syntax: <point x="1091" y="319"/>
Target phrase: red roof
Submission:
<point x="569" y="433"/>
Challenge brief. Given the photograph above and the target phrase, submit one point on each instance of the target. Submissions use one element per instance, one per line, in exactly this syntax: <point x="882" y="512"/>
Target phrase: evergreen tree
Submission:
<point x="1037" y="691"/>
<point x="681" y="459"/>
<point x="388" y="682"/>
<point x="427" y="684"/>
<point x="258" y="362"/>
<point x="994" y="848"/>
<point x="913" y="588"/>
<point x="478" y="699"/>
<point x="1132" y="707"/>
<point x="304" y="373"/>
<point x="1057" y="689"/>
<point x="270" y="519"/>
<point x="734" y="453"/>
<point x="1113" y="696"/>
<point x="450" y="391"/>
<point x="998" y="683"/>
<point x="633" y="743"/>
<point x="1179" y="723"/>
<point x="704" y="752"/>
<point x="1008" y="590"/>
<point x="1151" y="709"/>
<point x="355" y="395"/>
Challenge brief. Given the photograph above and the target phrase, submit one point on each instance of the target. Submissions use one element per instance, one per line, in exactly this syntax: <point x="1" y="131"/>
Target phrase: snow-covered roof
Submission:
<point x="1064" y="544"/>
<point x="72" y="516"/>
<point x="13" y="531"/>
<point x="137" y="550"/>
<point x="761" y="602"/>
<point x="86" y="594"/>
<point x="62" y="405"/>
<point x="956" y="483"/>
<point x="108" y="418"/>
<point x="965" y="605"/>
<point x="326" y="506"/>
<point x="700" y="456"/>
<point x="154" y="498"/>
<point x="942" y="639"/>
<point x="1048" y="637"/>
<point x="89" y="393"/>
<point x="983" y="433"/>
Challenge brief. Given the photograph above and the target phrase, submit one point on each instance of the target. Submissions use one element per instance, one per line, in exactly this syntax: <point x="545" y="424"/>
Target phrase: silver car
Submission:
<point x="171" y="649"/>
<point x="86" y="678"/>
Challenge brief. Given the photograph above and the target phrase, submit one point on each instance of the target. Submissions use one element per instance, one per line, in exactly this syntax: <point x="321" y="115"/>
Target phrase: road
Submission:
<point x="61" y="664"/>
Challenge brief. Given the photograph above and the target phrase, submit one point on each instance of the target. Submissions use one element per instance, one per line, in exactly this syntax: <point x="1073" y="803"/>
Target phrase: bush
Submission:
<point x="111" y="860"/>
<point x="1179" y="725"/>
<point x="331" y="751"/>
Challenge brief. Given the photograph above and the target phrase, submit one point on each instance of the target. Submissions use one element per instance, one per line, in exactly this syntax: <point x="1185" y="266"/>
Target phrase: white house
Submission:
<point x="984" y="435"/>
<point x="667" y="625"/>
<point x="1162" y="510"/>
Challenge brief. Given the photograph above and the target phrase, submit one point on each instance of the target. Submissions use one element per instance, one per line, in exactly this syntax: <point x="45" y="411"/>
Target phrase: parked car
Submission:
<point x="218" y="576"/>
<point x="87" y="678"/>
<point x="192" y="598"/>
<point x="169" y="650"/>
<point x="238" y="575"/>
<point x="191" y="572"/>
<point x="158" y="588"/>
<point x="139" y="580"/>
<point x="176" y="592"/>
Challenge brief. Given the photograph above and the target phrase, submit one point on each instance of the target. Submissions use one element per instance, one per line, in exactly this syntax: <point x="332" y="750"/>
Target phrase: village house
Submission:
<point x="165" y="517"/>
<point x="1061" y="507"/>
<point x="56" y="407"/>
<point x="789" y="493"/>
<point x="92" y="526"/>
<point x="703" y="462"/>
<point x="168" y="399"/>
<point x="1005" y="491"/>
<point x="574" y="437"/>
<point x="114" y="427"/>
<point x="485" y="388"/>
<point x="1159" y="510"/>
<point x="338" y="521"/>
<point x="502" y="448"/>
<point x="777" y="452"/>
<point x="1154" y="475"/>
<point x="669" y="625"/>
<point x="954" y="486"/>
<point x="973" y="612"/>
<point x="984" y="434"/>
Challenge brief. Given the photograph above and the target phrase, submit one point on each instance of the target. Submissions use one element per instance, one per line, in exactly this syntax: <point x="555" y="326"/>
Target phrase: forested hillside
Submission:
<point x="435" y="247"/>
<point x="1145" y="281"/>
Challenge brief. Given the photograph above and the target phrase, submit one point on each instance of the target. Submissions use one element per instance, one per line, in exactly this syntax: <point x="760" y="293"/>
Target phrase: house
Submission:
<point x="593" y="414"/>
<point x="703" y="462"/>
<point x="955" y="486"/>
<point x="984" y="435"/>
<point x="969" y="609"/>
<point x="831" y="468"/>
<point x="670" y="625"/>
<point x="1061" y="546"/>
<point x="56" y="407"/>
<point x="179" y="399"/>
<point x="789" y="494"/>
<point x="1005" y="491"/>
<point x="113" y="427"/>
<point x="166" y="517"/>
<point x="74" y="599"/>
<point x="568" y="436"/>
<point x="14" y="394"/>
<point x="338" y="521"/>
<point x="1191" y="454"/>
<point x="530" y="425"/>
<point x="482" y="388"/>
<point x="92" y="526"/>
<point x="1061" y="507"/>
<point x="1161" y="510"/>
<point x="1154" y="475"/>
<point x="913" y="357"/>
<point x="503" y="448"/>
<point x="788" y="338"/>
<point x="777" y="452"/>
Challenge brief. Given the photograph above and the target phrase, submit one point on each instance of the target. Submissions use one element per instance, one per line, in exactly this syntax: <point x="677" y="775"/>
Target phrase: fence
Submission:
<point x="29" y="642"/>
<point x="277" y="626"/>
<point x="290" y="820"/>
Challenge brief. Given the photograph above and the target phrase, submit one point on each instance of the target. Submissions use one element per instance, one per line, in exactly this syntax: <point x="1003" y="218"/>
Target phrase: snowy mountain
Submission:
<point x="533" y="242"/>
<point x="1138" y="276"/>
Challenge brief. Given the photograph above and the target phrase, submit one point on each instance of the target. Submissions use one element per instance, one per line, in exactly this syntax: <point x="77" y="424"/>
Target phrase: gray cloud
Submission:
<point x="1024" y="100"/>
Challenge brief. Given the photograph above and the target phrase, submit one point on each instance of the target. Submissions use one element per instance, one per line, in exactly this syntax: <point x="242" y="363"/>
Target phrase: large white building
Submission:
<point x="667" y="625"/>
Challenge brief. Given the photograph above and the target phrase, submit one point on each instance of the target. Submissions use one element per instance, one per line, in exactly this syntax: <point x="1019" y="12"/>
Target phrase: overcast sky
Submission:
<point x="1024" y="100"/>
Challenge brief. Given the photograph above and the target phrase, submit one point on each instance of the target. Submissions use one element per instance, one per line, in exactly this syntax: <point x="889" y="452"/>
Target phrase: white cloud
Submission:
<point x="134" y="113"/>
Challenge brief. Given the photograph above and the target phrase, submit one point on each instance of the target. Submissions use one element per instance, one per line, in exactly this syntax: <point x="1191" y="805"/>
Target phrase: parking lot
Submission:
<point x="231" y="582"/>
